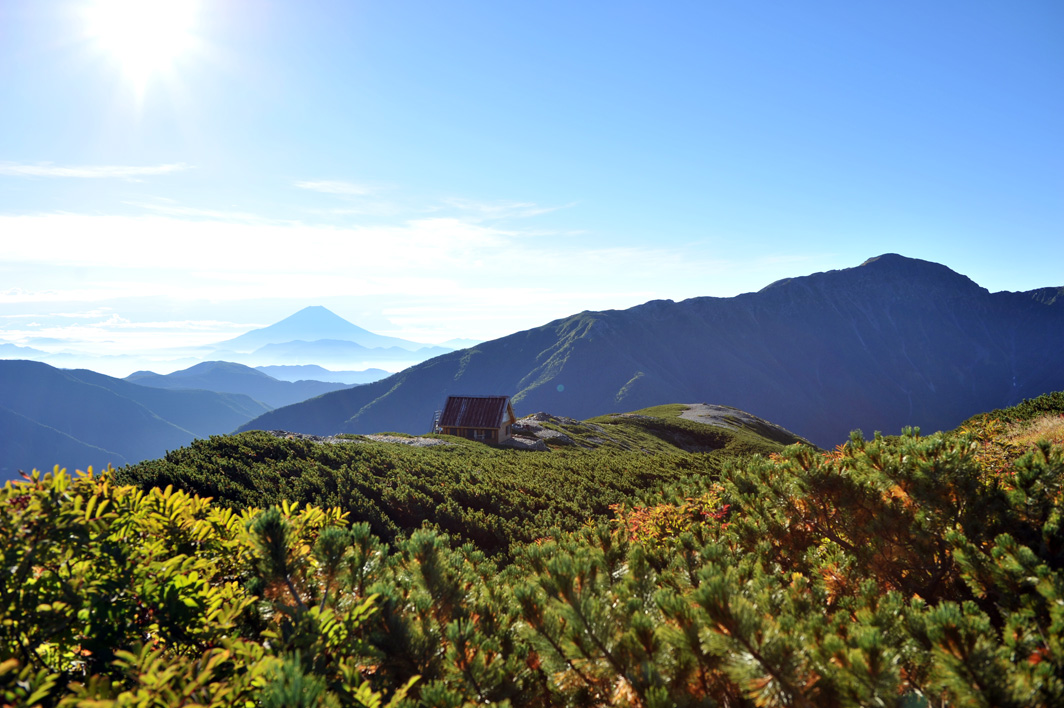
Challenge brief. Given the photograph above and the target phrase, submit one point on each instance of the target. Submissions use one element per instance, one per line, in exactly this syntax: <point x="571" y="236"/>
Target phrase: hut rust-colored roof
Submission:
<point x="473" y="411"/>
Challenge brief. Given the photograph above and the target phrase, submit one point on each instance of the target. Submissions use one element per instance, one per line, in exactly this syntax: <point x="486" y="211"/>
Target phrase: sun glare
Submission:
<point x="143" y="36"/>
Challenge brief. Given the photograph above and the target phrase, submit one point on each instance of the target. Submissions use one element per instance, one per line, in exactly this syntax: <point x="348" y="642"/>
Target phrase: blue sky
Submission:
<point x="469" y="169"/>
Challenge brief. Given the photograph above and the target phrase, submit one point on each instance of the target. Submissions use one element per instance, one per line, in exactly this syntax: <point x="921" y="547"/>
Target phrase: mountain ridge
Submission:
<point x="313" y="372"/>
<point x="230" y="377"/>
<point x="890" y="343"/>
<point x="79" y="417"/>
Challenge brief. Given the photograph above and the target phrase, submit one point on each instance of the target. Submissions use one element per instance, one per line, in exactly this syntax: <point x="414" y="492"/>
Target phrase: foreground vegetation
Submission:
<point x="894" y="571"/>
<point x="492" y="497"/>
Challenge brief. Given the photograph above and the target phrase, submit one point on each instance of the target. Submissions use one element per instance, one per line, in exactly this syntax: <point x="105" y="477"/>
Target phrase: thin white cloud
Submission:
<point x="160" y="253"/>
<point x="47" y="169"/>
<point x="167" y="207"/>
<point x="349" y="189"/>
<point x="96" y="293"/>
<point x="452" y="275"/>
<point x="503" y="210"/>
<point x="119" y="329"/>
<point x="380" y="208"/>
<point x="88" y="314"/>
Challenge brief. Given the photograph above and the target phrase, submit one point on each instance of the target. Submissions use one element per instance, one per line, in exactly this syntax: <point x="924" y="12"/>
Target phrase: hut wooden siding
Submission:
<point x="487" y="418"/>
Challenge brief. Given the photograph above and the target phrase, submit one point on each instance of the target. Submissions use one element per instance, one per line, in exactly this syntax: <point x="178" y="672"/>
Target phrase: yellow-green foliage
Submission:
<point x="116" y="596"/>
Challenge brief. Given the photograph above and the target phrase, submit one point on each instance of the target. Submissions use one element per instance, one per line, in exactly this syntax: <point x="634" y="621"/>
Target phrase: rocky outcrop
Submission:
<point x="526" y="443"/>
<point x="334" y="439"/>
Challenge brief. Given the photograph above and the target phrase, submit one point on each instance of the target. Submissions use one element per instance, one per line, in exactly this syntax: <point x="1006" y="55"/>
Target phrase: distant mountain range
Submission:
<point x="313" y="336"/>
<point x="317" y="336"/>
<point x="227" y="377"/>
<point x="313" y="372"/>
<point x="76" y="418"/>
<point x="891" y="343"/>
<point x="13" y="350"/>
<point x="340" y="351"/>
<point x="312" y="324"/>
<point x="460" y="343"/>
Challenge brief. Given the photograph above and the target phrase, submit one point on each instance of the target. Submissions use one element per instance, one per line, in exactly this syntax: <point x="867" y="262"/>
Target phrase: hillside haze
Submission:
<point x="313" y="337"/>
<point x="890" y="343"/>
<point x="313" y="372"/>
<point x="316" y="336"/>
<point x="227" y="377"/>
<point x="312" y="324"/>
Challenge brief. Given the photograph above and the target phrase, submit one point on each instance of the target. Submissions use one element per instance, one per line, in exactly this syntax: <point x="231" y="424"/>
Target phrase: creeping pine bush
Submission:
<point x="897" y="571"/>
<point x="901" y="571"/>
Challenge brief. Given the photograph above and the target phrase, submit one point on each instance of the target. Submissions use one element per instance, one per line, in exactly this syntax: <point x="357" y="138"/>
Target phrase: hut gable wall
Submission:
<point x="478" y="417"/>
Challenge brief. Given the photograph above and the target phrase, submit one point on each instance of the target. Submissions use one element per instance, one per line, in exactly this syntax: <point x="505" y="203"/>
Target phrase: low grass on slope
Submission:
<point x="662" y="430"/>
<point x="1009" y="433"/>
<point x="1047" y="427"/>
<point x="744" y="435"/>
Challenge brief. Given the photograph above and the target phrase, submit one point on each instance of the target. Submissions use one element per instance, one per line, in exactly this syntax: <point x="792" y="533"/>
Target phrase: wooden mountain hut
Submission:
<point x="487" y="418"/>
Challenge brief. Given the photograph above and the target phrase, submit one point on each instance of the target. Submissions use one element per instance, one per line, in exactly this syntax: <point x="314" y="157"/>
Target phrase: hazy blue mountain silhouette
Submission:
<point x="460" y="343"/>
<point x="11" y="351"/>
<point x="893" y="342"/>
<point x="313" y="372"/>
<point x="227" y="377"/>
<point x="337" y="350"/>
<point x="77" y="418"/>
<point x="198" y="411"/>
<point x="312" y="324"/>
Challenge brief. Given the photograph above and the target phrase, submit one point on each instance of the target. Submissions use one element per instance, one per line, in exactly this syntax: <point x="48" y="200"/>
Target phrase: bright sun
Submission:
<point x="144" y="36"/>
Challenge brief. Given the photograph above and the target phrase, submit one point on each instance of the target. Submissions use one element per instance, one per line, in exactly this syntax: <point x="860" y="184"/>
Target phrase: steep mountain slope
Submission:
<point x="116" y="421"/>
<point x="200" y="412"/>
<point x="893" y="342"/>
<point x="227" y="377"/>
<point x="24" y="439"/>
<point x="86" y="412"/>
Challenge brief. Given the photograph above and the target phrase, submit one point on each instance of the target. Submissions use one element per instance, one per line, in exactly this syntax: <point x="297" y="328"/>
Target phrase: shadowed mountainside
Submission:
<point x="77" y="418"/>
<point x="227" y="377"/>
<point x="893" y="342"/>
<point x="25" y="439"/>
